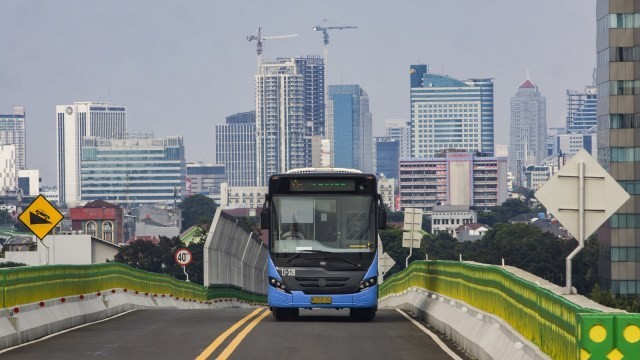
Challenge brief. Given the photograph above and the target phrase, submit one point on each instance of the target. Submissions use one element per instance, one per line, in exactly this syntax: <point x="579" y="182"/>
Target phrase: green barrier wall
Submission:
<point x="28" y="284"/>
<point x="557" y="326"/>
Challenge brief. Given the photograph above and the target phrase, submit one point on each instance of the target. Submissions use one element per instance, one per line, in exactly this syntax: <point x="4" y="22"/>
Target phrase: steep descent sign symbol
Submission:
<point x="38" y="218"/>
<point x="41" y="217"/>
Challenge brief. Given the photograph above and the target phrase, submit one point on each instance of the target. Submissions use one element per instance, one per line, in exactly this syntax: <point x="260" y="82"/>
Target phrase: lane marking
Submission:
<point x="238" y="339"/>
<point x="435" y="338"/>
<point x="64" y="331"/>
<point x="214" y="345"/>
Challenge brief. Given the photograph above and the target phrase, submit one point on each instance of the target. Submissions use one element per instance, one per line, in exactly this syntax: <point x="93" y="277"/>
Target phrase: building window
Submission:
<point x="90" y="228"/>
<point x="107" y="231"/>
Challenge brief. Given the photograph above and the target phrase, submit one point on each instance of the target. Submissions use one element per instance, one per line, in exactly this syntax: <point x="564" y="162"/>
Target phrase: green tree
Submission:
<point x="141" y="254"/>
<point x="197" y="210"/>
<point x="502" y="213"/>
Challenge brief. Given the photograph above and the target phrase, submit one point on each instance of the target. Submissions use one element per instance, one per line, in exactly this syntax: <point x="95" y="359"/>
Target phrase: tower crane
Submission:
<point x="259" y="39"/>
<point x="325" y="37"/>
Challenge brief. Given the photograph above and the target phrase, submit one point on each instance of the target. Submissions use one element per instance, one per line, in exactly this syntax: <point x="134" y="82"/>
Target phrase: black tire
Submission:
<point x="285" y="314"/>
<point x="362" y="314"/>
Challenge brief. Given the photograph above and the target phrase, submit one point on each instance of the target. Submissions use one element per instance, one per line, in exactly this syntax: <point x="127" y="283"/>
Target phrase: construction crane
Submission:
<point x="325" y="37"/>
<point x="259" y="38"/>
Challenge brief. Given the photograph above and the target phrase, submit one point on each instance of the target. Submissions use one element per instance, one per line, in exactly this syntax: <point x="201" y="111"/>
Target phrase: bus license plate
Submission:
<point x="321" y="299"/>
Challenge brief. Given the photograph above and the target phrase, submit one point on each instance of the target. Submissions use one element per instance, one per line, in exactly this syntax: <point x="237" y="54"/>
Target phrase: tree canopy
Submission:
<point x="197" y="210"/>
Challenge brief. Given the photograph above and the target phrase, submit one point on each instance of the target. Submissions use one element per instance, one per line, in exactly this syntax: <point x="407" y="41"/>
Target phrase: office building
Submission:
<point x="618" y="128"/>
<point x="236" y="148"/>
<point x="454" y="178"/>
<point x="289" y="111"/>
<point x="447" y="218"/>
<point x="399" y="129"/>
<point x="73" y="123"/>
<point x="205" y="179"/>
<point x="387" y="157"/>
<point x="133" y="171"/>
<point x="242" y="197"/>
<point x="569" y="144"/>
<point x="528" y="129"/>
<point x="351" y="123"/>
<point x="581" y="110"/>
<point x="447" y="113"/>
<point x="12" y="132"/>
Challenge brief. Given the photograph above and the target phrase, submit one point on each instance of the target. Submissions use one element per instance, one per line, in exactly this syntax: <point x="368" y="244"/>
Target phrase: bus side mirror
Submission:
<point x="265" y="218"/>
<point x="382" y="219"/>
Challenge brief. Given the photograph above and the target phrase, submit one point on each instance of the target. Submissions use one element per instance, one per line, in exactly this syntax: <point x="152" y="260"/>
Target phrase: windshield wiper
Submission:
<point x="309" y="251"/>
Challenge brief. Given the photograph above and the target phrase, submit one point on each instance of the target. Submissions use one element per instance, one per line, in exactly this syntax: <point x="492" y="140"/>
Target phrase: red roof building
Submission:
<point x="99" y="219"/>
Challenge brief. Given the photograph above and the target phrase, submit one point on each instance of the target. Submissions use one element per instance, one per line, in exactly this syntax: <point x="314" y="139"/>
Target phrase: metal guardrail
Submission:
<point x="560" y="328"/>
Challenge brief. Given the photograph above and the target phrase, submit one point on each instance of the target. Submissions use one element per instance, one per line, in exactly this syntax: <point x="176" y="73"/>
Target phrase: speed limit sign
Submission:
<point x="184" y="257"/>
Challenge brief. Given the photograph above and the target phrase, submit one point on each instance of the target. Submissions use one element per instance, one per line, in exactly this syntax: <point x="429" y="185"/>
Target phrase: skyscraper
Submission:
<point x="289" y="111"/>
<point x="399" y="129"/>
<point x="528" y="130"/>
<point x="236" y="148"/>
<point x="618" y="151"/>
<point x="387" y="157"/>
<point x="135" y="170"/>
<point x="581" y="110"/>
<point x="12" y="132"/>
<point x="351" y="123"/>
<point x="449" y="114"/>
<point x="8" y="169"/>
<point x="73" y="123"/>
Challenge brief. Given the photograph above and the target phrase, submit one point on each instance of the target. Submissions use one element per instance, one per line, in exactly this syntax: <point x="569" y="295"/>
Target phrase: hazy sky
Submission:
<point x="180" y="67"/>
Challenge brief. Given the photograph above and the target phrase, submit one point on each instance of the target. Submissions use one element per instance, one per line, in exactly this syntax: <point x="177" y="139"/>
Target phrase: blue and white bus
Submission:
<point x="323" y="230"/>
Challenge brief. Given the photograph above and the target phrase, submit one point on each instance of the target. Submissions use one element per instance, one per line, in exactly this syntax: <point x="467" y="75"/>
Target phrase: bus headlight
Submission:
<point x="367" y="283"/>
<point x="279" y="285"/>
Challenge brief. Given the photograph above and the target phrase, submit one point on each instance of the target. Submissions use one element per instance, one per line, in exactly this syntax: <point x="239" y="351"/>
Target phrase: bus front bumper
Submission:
<point x="298" y="299"/>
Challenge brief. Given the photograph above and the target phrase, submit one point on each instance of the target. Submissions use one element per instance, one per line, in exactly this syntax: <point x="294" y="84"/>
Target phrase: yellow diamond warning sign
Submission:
<point x="41" y="217"/>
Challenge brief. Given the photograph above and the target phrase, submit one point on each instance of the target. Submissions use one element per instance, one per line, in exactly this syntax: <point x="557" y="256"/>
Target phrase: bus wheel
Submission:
<point x="285" y="314"/>
<point x="362" y="314"/>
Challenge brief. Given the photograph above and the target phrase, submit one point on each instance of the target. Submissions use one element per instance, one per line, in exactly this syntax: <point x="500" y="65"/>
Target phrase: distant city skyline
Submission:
<point x="181" y="69"/>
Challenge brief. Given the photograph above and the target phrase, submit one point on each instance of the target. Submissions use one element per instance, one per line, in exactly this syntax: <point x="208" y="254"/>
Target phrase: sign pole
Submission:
<point x="410" y="250"/>
<point x="184" y="268"/>
<point x="567" y="289"/>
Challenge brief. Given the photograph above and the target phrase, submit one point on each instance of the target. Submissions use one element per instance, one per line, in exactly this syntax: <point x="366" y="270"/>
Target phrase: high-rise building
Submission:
<point x="236" y="148"/>
<point x="528" y="129"/>
<point x="73" y="123"/>
<point x="133" y="170"/>
<point x="12" y="132"/>
<point x="453" y="178"/>
<point x="400" y="130"/>
<point x="618" y="126"/>
<point x="449" y="114"/>
<point x="581" y="110"/>
<point x="289" y="111"/>
<point x="351" y="123"/>
<point x="387" y="157"/>
<point x="8" y="170"/>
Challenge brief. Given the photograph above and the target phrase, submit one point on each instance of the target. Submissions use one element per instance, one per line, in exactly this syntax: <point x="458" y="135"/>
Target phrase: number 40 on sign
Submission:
<point x="184" y="257"/>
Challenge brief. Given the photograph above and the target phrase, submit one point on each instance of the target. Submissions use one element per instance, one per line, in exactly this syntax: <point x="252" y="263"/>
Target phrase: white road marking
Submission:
<point x="435" y="338"/>
<point x="62" y="332"/>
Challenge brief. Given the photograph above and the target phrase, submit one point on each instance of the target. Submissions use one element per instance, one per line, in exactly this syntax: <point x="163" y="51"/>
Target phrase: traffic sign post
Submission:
<point x="40" y="217"/>
<point x="582" y="196"/>
<point x="385" y="263"/>
<point x="412" y="226"/>
<point x="184" y="257"/>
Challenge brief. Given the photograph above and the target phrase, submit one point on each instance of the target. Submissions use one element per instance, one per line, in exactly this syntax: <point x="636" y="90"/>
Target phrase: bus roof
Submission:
<point x="323" y="170"/>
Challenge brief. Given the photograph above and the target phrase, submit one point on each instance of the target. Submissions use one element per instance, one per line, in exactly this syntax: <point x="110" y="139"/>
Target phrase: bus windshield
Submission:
<point x="327" y="223"/>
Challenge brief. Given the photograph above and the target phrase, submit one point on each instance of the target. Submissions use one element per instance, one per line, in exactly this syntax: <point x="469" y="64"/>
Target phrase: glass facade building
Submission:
<point x="12" y="132"/>
<point x="133" y="171"/>
<point x="447" y="113"/>
<point x="351" y="128"/>
<point x="581" y="110"/>
<point x="236" y="148"/>
<point x="617" y="71"/>
<point x="527" y="130"/>
<point x="74" y="123"/>
<point x="387" y="157"/>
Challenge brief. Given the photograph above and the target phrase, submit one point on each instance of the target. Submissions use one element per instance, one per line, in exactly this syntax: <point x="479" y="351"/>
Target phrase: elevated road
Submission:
<point x="237" y="334"/>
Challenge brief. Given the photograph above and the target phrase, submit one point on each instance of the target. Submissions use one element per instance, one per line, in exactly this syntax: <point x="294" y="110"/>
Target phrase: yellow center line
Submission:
<point x="236" y="341"/>
<point x="211" y="348"/>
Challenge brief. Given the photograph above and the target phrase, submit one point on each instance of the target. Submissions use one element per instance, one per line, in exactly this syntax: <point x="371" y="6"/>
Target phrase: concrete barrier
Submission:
<point x="29" y="322"/>
<point x="481" y="334"/>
